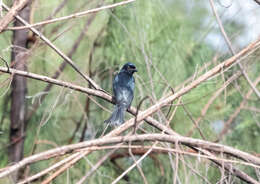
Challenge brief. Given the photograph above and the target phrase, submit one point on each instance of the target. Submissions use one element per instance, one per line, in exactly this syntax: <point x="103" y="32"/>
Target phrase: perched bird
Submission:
<point x="123" y="89"/>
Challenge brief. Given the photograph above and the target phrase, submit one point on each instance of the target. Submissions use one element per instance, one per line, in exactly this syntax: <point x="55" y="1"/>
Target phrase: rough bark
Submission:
<point x="19" y="90"/>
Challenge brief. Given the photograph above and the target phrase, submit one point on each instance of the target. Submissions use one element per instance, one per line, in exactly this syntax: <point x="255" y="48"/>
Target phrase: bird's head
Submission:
<point x="129" y="68"/>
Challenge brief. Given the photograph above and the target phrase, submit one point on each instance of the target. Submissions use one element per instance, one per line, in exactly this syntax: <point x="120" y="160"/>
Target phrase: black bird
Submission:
<point x="123" y="89"/>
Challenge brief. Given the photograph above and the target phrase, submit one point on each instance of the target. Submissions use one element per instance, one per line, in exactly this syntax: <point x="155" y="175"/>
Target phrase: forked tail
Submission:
<point x="117" y="117"/>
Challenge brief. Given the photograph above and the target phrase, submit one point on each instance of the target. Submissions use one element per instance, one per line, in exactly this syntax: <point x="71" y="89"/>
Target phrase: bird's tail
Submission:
<point x="117" y="117"/>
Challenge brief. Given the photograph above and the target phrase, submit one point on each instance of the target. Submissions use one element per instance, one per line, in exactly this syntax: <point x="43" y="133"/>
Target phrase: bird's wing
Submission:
<point x="115" y="85"/>
<point x="123" y="90"/>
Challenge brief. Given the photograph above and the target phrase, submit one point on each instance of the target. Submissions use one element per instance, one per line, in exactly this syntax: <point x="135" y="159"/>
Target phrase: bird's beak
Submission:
<point x="133" y="70"/>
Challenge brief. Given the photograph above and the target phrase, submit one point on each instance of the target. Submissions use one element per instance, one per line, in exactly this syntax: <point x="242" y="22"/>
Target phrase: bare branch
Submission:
<point x="96" y="166"/>
<point x="17" y="6"/>
<point x="46" y="171"/>
<point x="57" y="82"/>
<point x="76" y="15"/>
<point x="232" y="50"/>
<point x="248" y="50"/>
<point x="57" y="50"/>
<point x="257" y="1"/>
<point x="211" y="100"/>
<point x="236" y="112"/>
<point x="145" y="137"/>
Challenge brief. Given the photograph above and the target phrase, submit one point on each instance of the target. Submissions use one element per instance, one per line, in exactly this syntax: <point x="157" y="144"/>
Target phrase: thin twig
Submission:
<point x="211" y="100"/>
<point x="132" y="166"/>
<point x="46" y="171"/>
<point x="236" y="112"/>
<point x="6" y="64"/>
<point x="194" y="122"/>
<point x="137" y="111"/>
<point x="248" y="50"/>
<point x="57" y="50"/>
<point x="75" y="15"/>
<point x="17" y="6"/>
<point x="96" y="166"/>
<point x="232" y="50"/>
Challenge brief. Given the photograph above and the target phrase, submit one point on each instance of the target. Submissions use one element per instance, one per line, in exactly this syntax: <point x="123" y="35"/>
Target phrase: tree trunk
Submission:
<point x="19" y="90"/>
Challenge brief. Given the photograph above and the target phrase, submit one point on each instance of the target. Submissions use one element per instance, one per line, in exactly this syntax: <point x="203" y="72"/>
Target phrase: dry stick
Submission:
<point x="148" y="61"/>
<point x="253" y="109"/>
<point x="57" y="27"/>
<point x="157" y="149"/>
<point x="231" y="49"/>
<point x="97" y="165"/>
<point x="195" y="83"/>
<point x="140" y="150"/>
<point x="76" y="15"/>
<point x="137" y="111"/>
<point x="17" y="6"/>
<point x="162" y="150"/>
<point x="175" y="175"/>
<point x="174" y="167"/>
<point x="236" y="112"/>
<point x="57" y="50"/>
<point x="183" y="91"/>
<point x="208" y="74"/>
<point x="102" y="160"/>
<point x="66" y="166"/>
<point x="62" y="66"/>
<point x="257" y="1"/>
<point x="211" y="100"/>
<point x="88" y="99"/>
<point x="33" y="109"/>
<point x="6" y="63"/>
<point x="195" y="171"/>
<point x="132" y="166"/>
<point x="57" y="9"/>
<point x="136" y="150"/>
<point x="134" y="131"/>
<point x="204" y="67"/>
<point x="193" y="121"/>
<point x="46" y="171"/>
<point x="138" y="167"/>
<point x="57" y="82"/>
<point x="206" y="145"/>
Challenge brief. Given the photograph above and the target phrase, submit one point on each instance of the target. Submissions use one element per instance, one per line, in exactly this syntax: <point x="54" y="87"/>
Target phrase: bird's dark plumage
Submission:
<point x="123" y="89"/>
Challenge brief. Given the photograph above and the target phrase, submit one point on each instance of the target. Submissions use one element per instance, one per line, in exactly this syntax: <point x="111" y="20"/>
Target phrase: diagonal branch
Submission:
<point x="235" y="113"/>
<point x="257" y="1"/>
<point x="57" y="50"/>
<point x="12" y="12"/>
<point x="62" y="66"/>
<point x="211" y="100"/>
<point x="227" y="63"/>
<point x="228" y="42"/>
<point x="140" y="138"/>
<point x="76" y="15"/>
